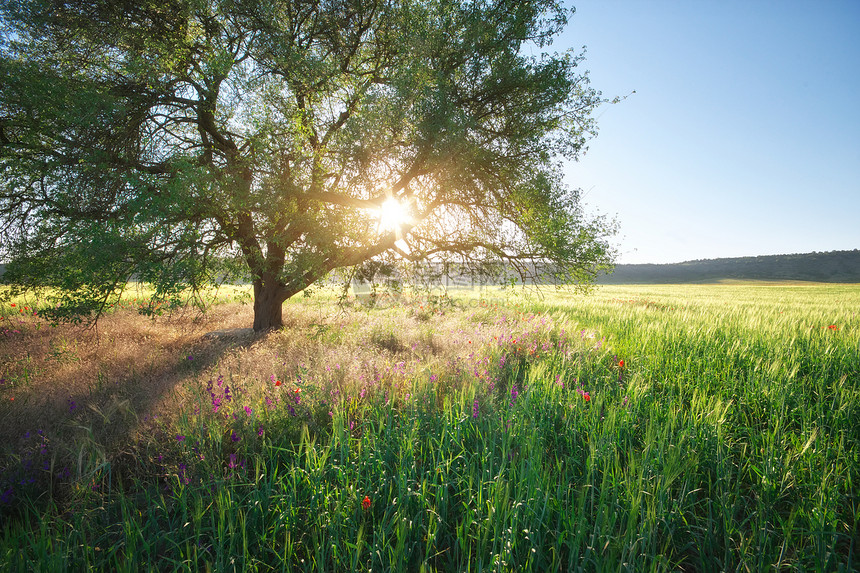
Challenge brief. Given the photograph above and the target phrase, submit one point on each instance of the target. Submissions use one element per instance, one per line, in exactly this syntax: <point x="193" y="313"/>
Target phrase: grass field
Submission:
<point x="647" y="428"/>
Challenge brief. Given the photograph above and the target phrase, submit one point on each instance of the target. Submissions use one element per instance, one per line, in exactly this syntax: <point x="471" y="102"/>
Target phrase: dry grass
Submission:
<point x="63" y="377"/>
<point x="104" y="386"/>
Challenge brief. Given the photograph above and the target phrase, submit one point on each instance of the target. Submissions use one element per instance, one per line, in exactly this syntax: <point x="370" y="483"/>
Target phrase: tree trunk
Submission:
<point x="269" y="297"/>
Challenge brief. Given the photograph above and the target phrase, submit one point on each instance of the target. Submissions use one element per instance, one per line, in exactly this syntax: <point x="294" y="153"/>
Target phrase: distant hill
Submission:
<point x="831" y="267"/>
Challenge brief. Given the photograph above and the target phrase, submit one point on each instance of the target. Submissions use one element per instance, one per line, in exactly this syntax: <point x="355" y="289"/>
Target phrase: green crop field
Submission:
<point x="647" y="428"/>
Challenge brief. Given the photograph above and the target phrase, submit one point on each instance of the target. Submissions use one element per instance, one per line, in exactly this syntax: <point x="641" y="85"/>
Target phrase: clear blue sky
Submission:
<point x="743" y="136"/>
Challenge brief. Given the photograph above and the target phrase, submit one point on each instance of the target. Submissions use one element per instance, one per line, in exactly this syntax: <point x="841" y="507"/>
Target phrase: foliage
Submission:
<point x="165" y="140"/>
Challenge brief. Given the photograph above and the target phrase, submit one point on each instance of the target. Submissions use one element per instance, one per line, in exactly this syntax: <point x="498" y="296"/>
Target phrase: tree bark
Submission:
<point x="269" y="297"/>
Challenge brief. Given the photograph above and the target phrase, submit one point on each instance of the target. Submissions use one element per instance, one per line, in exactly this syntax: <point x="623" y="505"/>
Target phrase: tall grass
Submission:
<point x="639" y="429"/>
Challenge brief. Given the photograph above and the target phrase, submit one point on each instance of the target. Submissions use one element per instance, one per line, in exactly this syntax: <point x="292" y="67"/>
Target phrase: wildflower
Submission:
<point x="833" y="327"/>
<point x="475" y="409"/>
<point x="621" y="364"/>
<point x="182" y="475"/>
<point x="180" y="438"/>
<point x="233" y="436"/>
<point x="248" y="410"/>
<point x="365" y="503"/>
<point x="277" y="382"/>
<point x="586" y="396"/>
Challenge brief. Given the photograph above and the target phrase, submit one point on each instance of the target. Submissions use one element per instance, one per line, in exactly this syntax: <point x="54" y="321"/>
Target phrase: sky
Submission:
<point x="743" y="135"/>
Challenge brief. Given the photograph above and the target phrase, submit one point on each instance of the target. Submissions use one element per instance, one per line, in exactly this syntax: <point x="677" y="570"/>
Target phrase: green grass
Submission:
<point x="696" y="428"/>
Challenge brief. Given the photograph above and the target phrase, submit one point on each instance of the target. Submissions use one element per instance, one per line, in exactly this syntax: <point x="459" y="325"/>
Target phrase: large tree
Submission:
<point x="158" y="139"/>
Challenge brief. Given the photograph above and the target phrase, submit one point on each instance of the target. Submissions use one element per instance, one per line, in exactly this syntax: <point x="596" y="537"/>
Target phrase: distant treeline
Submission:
<point x="831" y="267"/>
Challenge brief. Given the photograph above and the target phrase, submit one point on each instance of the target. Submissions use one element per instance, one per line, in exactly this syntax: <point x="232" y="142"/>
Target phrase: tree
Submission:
<point x="160" y="140"/>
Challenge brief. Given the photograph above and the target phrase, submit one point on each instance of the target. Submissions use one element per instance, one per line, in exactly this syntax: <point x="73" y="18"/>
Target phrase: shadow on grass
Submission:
<point x="73" y="400"/>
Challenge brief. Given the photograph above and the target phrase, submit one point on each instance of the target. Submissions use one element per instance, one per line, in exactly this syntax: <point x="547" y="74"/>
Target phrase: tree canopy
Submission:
<point x="158" y="140"/>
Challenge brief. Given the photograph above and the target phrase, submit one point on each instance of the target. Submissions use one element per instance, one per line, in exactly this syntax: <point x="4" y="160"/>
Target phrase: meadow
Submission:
<point x="638" y="428"/>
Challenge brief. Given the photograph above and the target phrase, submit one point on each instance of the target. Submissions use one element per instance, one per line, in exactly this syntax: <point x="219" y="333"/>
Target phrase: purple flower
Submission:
<point x="180" y="438"/>
<point x="182" y="475"/>
<point x="234" y="463"/>
<point x="260" y="430"/>
<point x="248" y="410"/>
<point x="234" y="436"/>
<point x="475" y="409"/>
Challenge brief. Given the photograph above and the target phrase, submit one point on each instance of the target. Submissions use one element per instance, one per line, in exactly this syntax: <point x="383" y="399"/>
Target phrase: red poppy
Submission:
<point x="586" y="396"/>
<point x="13" y="304"/>
<point x="365" y="503"/>
<point x="278" y="383"/>
<point x="621" y="364"/>
<point x="833" y="327"/>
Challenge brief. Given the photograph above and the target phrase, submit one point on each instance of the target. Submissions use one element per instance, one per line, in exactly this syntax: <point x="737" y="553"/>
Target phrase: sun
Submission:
<point x="393" y="215"/>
